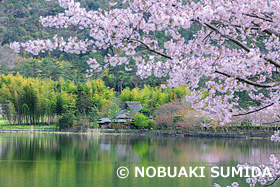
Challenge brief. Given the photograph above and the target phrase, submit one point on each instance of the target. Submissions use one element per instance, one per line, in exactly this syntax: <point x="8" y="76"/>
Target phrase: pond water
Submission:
<point x="60" y="160"/>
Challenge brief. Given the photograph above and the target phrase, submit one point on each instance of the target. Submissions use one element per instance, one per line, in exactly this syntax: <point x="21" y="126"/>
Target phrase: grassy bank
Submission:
<point x="221" y="133"/>
<point x="27" y="127"/>
<point x="4" y="125"/>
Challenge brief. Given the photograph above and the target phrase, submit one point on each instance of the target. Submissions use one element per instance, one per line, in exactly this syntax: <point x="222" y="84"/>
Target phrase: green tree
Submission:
<point x="113" y="114"/>
<point x="94" y="116"/>
<point x="84" y="102"/>
<point x="146" y="112"/>
<point x="152" y="124"/>
<point x="67" y="119"/>
<point x="140" y="120"/>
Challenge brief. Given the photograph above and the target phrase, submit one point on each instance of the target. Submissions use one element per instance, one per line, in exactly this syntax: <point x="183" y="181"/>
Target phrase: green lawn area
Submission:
<point x="4" y="125"/>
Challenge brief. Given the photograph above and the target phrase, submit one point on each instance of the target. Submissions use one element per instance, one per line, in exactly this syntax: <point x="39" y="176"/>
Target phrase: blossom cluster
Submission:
<point x="234" y="184"/>
<point x="274" y="169"/>
<point x="275" y="137"/>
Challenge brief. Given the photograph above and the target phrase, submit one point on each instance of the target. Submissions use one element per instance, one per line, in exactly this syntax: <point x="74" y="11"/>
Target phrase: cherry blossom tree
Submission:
<point x="235" y="49"/>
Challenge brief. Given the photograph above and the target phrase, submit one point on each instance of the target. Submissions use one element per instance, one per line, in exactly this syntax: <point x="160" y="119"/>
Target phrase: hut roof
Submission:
<point x="136" y="105"/>
<point x="107" y="120"/>
<point x="122" y="114"/>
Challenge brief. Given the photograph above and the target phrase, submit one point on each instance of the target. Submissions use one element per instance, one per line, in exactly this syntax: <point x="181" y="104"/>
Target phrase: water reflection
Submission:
<point x="83" y="160"/>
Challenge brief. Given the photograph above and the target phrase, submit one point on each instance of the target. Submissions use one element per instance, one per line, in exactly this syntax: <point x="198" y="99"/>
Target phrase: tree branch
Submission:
<point x="239" y="43"/>
<point x="256" y="16"/>
<point x="152" y="50"/>
<point x="253" y="111"/>
<point x="270" y="32"/>
<point x="271" y="122"/>
<point x="272" y="62"/>
<point x="246" y="80"/>
<point x="272" y="181"/>
<point x="256" y="27"/>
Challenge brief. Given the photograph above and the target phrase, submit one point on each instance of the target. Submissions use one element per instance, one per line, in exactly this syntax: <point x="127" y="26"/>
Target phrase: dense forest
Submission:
<point x="35" y="101"/>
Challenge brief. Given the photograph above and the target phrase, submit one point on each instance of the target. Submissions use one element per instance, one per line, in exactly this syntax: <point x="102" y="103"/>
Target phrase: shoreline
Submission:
<point x="255" y="134"/>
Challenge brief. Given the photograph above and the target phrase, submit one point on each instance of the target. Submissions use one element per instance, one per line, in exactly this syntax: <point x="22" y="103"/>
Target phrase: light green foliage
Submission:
<point x="152" y="124"/>
<point x="146" y="112"/>
<point x="153" y="97"/>
<point x="93" y="116"/>
<point x="34" y="101"/>
<point x="205" y="119"/>
<point x="140" y="120"/>
<point x="94" y="125"/>
<point x="113" y="113"/>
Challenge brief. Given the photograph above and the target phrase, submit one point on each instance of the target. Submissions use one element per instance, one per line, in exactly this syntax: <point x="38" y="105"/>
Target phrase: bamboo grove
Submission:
<point x="36" y="101"/>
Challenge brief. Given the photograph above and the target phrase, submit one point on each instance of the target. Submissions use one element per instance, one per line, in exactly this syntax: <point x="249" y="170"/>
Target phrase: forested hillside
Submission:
<point x="19" y="19"/>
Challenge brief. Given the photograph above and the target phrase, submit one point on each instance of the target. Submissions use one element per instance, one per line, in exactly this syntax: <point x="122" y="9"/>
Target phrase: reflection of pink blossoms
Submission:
<point x="274" y="169"/>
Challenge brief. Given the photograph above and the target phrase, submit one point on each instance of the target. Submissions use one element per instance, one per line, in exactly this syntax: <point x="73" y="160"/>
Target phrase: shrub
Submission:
<point x="146" y="112"/>
<point x="140" y="120"/>
<point x="164" y="120"/>
<point x="178" y="118"/>
<point x="94" y="125"/>
<point x="67" y="120"/>
<point x="152" y="124"/>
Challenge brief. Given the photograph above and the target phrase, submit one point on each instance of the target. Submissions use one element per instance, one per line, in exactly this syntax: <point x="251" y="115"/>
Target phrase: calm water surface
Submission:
<point x="51" y="160"/>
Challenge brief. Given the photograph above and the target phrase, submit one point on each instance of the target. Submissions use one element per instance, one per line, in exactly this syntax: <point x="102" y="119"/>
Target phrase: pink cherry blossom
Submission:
<point x="15" y="46"/>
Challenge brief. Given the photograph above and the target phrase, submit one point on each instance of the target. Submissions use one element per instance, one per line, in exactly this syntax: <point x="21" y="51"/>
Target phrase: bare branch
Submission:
<point x="267" y="16"/>
<point x="255" y="27"/>
<point x="256" y="16"/>
<point x="207" y="36"/>
<point x="239" y="43"/>
<point x="247" y="81"/>
<point x="272" y="62"/>
<point x="271" y="122"/>
<point x="272" y="181"/>
<point x="253" y="111"/>
<point x="270" y="32"/>
<point x="152" y="50"/>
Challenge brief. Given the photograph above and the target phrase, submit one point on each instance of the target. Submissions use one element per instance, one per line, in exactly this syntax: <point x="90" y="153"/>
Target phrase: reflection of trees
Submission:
<point x="47" y="146"/>
<point x="83" y="148"/>
<point x="145" y="149"/>
<point x="238" y="150"/>
<point x="76" y="159"/>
